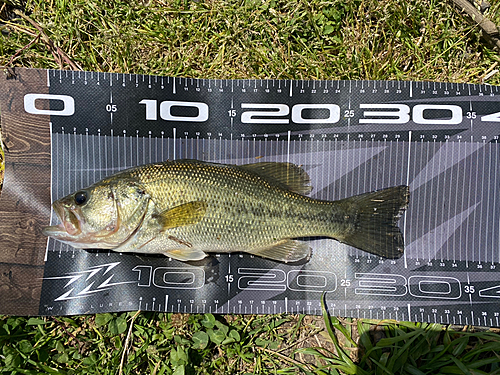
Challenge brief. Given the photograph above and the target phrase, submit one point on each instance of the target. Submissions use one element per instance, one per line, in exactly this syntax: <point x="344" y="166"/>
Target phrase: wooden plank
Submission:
<point x="20" y="288"/>
<point x="25" y="198"/>
<point x="23" y="243"/>
<point x="26" y="142"/>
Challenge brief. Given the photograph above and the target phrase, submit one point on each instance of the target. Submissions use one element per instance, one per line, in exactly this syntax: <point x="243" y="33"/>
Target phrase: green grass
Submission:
<point x="357" y="39"/>
<point x="157" y="343"/>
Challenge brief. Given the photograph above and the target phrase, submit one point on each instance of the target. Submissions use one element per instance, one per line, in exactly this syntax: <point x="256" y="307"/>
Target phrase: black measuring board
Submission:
<point x="441" y="139"/>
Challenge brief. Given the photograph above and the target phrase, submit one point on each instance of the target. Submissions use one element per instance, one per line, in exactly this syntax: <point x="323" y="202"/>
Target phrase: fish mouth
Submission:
<point x="54" y="230"/>
<point x="70" y="226"/>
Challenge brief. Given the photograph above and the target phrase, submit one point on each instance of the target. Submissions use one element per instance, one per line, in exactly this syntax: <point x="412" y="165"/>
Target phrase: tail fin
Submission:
<point x="376" y="216"/>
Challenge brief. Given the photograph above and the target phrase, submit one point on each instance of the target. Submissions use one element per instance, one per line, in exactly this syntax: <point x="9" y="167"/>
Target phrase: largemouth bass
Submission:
<point x="186" y="208"/>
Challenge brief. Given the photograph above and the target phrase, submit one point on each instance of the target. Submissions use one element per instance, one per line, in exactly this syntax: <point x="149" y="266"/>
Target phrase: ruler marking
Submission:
<point x="494" y="204"/>
<point x="288" y="146"/>
<point x="51" y="184"/>
<point x="99" y="153"/>
<point x="149" y="148"/>
<point x="323" y="162"/>
<point x="470" y="145"/>
<point x="365" y="167"/>
<point x="481" y="205"/>
<point x="384" y="160"/>
<point x="225" y="150"/>
<point x="407" y="184"/>
<point x="74" y="162"/>
<point x="449" y="206"/>
<point x="112" y="141"/>
<point x="140" y="149"/>
<point x="369" y="178"/>
<point x="335" y="179"/>
<point x="436" y="222"/>
<point x="342" y="166"/>
<point x="95" y="156"/>
<point x="60" y="168"/>
<point x="421" y="229"/>
<point x="497" y="210"/>
<point x="463" y="193"/>
<point x="174" y="143"/>
<point x="475" y="210"/>
<point x="88" y="159"/>
<point x="427" y="146"/>
<point x="220" y="148"/>
<point x="328" y="174"/>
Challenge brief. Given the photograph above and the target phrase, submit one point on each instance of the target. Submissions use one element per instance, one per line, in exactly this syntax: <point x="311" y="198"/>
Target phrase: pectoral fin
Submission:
<point x="185" y="254"/>
<point x="185" y="214"/>
<point x="285" y="251"/>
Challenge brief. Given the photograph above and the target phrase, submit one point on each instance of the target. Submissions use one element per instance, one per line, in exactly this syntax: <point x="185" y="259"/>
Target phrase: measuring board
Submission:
<point x="441" y="139"/>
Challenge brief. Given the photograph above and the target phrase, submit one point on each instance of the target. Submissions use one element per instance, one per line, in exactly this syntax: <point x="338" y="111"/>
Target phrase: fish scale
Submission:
<point x="243" y="209"/>
<point x="233" y="194"/>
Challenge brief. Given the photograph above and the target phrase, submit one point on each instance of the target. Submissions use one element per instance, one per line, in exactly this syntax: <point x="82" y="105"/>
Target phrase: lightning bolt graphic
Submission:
<point x="88" y="290"/>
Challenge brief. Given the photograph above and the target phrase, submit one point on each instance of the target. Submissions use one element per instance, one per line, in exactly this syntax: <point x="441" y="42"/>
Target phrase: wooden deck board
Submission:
<point x="25" y="199"/>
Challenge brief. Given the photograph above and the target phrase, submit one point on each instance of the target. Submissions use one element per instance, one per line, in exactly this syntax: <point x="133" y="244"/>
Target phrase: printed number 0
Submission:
<point x="67" y="110"/>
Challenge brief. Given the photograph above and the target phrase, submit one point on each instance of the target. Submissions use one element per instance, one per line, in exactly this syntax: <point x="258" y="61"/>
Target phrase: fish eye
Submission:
<point x="80" y="197"/>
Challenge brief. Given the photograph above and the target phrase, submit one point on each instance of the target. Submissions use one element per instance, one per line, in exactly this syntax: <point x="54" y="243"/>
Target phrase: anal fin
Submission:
<point x="285" y="251"/>
<point x="185" y="254"/>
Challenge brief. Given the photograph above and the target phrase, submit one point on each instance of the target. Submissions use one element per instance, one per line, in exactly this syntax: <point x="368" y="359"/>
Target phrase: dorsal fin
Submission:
<point x="287" y="175"/>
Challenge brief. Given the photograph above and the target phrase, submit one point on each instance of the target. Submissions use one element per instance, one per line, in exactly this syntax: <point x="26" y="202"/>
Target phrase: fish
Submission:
<point x="186" y="208"/>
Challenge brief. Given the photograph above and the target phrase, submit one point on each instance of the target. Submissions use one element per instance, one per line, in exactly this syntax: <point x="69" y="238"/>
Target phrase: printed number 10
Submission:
<point x="166" y="110"/>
